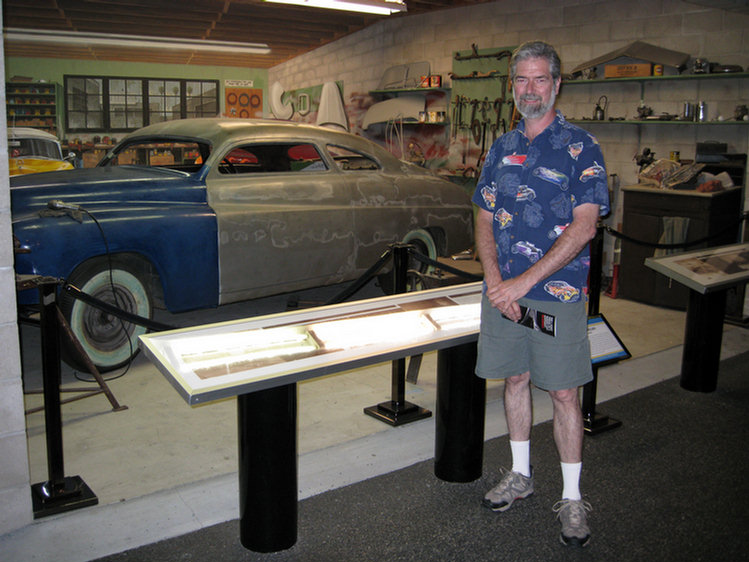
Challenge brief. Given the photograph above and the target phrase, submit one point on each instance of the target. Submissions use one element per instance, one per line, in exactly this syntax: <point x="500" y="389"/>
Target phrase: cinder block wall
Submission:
<point x="580" y="30"/>
<point x="15" y="491"/>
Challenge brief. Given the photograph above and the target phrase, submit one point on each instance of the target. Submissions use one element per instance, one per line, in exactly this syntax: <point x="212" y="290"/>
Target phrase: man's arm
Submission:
<point x="486" y="247"/>
<point x="580" y="232"/>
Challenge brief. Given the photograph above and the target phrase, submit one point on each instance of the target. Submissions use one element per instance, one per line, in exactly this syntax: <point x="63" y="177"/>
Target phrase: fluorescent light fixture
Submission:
<point x="379" y="7"/>
<point x="223" y="353"/>
<point x="131" y="41"/>
<point x="350" y="333"/>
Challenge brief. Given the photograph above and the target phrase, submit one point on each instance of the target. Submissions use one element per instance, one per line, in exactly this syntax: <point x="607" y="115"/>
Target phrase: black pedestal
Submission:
<point x="397" y="411"/>
<point x="593" y="422"/>
<point x="459" y="416"/>
<point x="702" y="340"/>
<point x="268" y="469"/>
<point x="69" y="493"/>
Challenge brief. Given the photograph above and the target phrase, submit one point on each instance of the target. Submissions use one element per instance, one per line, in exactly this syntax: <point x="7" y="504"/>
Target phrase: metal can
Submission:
<point x="658" y="70"/>
<point x="688" y="111"/>
<point x="702" y="112"/>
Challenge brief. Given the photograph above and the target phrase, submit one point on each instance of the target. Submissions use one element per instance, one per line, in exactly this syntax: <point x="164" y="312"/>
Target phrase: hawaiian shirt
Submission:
<point x="532" y="189"/>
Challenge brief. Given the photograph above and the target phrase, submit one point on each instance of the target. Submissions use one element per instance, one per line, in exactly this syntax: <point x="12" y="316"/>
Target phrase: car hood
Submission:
<point x="106" y="185"/>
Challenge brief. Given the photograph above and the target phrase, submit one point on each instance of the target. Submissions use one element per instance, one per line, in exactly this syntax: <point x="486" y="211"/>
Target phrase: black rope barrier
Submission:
<point x="152" y="325"/>
<point x="450" y="269"/>
<point x="678" y="246"/>
<point x="365" y="278"/>
<point x="376" y="267"/>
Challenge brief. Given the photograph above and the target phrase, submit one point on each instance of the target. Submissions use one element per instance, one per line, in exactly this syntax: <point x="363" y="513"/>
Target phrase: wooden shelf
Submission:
<point x="32" y="104"/>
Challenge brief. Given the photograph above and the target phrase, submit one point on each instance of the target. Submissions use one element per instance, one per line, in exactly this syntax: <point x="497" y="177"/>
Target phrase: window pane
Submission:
<point x="164" y="100"/>
<point x="201" y="99"/>
<point x="84" y="102"/>
<point x="134" y="120"/>
<point x="272" y="158"/>
<point x="125" y="104"/>
<point x="349" y="160"/>
<point x="116" y="87"/>
<point x="179" y="155"/>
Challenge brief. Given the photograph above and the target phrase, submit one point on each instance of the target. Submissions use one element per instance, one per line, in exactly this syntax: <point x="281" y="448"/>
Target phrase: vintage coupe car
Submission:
<point x="32" y="150"/>
<point x="198" y="213"/>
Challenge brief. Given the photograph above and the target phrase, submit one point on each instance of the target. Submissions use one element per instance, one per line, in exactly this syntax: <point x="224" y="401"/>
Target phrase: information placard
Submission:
<point x="605" y="345"/>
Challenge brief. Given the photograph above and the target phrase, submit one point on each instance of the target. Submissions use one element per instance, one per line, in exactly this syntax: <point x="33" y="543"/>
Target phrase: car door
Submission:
<point x="380" y="213"/>
<point x="284" y="219"/>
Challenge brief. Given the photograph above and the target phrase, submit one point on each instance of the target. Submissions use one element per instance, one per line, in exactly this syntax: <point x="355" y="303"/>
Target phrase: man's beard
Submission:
<point x="534" y="111"/>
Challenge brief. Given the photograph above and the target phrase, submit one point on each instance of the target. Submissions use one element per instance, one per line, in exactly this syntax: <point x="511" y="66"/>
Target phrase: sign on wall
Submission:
<point x="241" y="100"/>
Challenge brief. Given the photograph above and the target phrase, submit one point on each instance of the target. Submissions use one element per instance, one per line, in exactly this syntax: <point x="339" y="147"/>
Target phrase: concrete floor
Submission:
<point x="162" y="468"/>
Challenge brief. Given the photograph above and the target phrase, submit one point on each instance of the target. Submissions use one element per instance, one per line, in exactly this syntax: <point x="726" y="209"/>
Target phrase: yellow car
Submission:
<point x="33" y="150"/>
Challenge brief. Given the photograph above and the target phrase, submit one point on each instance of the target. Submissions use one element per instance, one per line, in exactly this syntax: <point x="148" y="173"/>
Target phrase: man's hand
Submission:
<point x="505" y="294"/>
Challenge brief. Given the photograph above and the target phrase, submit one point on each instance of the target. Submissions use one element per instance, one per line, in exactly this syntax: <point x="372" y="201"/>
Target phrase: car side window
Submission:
<point x="180" y="155"/>
<point x="348" y="160"/>
<point x="272" y="158"/>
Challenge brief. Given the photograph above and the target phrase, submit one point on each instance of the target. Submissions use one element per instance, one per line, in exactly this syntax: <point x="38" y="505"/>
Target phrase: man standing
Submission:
<point x="541" y="191"/>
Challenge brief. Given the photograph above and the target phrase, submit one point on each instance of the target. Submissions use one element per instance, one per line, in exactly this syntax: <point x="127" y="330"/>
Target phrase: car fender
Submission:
<point x="179" y="241"/>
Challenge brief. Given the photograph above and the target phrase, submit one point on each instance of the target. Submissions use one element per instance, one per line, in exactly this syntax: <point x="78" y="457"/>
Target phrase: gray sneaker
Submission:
<point x="513" y="486"/>
<point x="575" y="530"/>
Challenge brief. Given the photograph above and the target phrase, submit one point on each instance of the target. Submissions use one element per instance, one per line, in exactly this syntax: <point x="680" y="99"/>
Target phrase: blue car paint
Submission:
<point x="160" y="214"/>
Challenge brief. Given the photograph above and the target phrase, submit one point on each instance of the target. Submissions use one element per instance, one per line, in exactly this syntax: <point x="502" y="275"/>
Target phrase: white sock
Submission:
<point x="521" y="457"/>
<point x="571" y="479"/>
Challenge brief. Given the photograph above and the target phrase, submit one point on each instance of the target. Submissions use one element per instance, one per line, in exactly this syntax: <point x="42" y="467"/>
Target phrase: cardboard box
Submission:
<point x="628" y="70"/>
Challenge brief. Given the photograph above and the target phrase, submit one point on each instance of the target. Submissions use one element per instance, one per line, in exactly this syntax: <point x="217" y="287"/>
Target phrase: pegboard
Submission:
<point x="481" y="106"/>
<point x="245" y="103"/>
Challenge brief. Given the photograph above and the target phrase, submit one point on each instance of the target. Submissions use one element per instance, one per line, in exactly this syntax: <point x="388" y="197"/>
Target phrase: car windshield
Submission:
<point x="40" y="148"/>
<point x="183" y="155"/>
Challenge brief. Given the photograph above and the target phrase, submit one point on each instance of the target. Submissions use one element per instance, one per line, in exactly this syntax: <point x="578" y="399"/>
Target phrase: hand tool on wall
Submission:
<point x="475" y="75"/>
<point x="475" y="54"/>
<point x="475" y="124"/>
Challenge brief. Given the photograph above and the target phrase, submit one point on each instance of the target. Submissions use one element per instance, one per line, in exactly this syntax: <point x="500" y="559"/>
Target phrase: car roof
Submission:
<point x="217" y="130"/>
<point x="29" y="133"/>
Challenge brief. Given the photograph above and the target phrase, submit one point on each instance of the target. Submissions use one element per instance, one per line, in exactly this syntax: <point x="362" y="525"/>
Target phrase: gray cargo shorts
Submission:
<point x="506" y="348"/>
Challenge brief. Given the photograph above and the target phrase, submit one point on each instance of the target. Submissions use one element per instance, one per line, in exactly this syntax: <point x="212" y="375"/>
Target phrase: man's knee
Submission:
<point x="518" y="381"/>
<point x="566" y="395"/>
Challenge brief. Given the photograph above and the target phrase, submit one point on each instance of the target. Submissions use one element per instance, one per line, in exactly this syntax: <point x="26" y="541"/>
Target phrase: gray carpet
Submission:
<point x="670" y="484"/>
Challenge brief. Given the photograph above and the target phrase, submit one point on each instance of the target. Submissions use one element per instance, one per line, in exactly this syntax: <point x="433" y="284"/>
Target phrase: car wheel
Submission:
<point x="109" y="342"/>
<point x="424" y="244"/>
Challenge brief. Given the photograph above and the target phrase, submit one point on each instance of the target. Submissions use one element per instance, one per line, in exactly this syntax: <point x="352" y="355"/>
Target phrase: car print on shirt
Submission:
<point x="503" y="218"/>
<point x="525" y="193"/>
<point x="562" y="291"/>
<point x="525" y="248"/>
<point x="514" y="159"/>
<point x="552" y="176"/>
<point x="489" y="194"/>
<point x="575" y="149"/>
<point x="556" y="232"/>
<point x="595" y="171"/>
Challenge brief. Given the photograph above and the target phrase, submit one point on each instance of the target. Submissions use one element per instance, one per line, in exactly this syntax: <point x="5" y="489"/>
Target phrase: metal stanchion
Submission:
<point x="593" y="421"/>
<point x="59" y="493"/>
<point x="397" y="411"/>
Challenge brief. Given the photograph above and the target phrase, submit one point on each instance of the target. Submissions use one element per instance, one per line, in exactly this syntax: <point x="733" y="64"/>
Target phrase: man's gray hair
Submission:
<point x="536" y="50"/>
